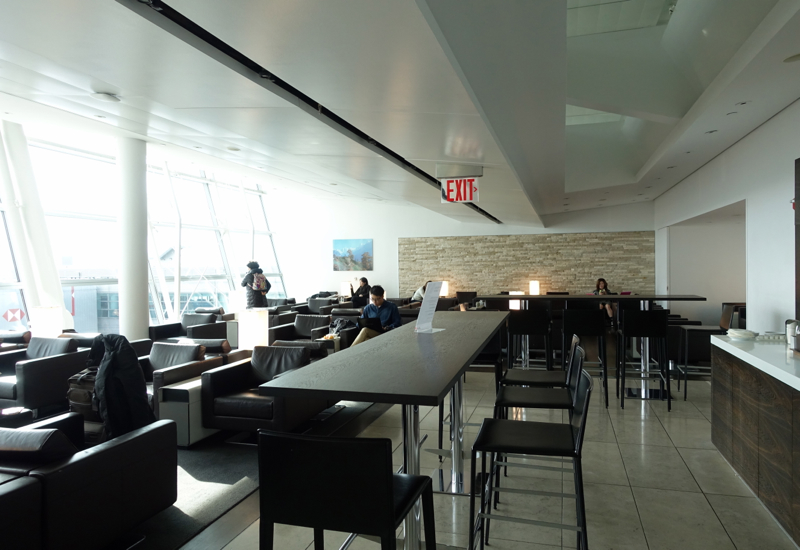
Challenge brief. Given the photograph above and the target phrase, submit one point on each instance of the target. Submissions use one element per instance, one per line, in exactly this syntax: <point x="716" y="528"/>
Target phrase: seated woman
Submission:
<point x="360" y="295"/>
<point x="420" y="293"/>
<point x="601" y="288"/>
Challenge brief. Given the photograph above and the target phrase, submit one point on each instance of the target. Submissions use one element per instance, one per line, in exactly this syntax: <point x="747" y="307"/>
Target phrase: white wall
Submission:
<point x="304" y="228"/>
<point x="708" y="260"/>
<point x="760" y="170"/>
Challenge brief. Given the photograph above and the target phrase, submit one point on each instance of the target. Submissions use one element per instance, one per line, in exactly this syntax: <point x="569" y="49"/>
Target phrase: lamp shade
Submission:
<point x="445" y="290"/>
<point x="46" y="321"/>
<point x="534" y="288"/>
<point x="515" y="304"/>
<point x="344" y="288"/>
<point x="253" y="327"/>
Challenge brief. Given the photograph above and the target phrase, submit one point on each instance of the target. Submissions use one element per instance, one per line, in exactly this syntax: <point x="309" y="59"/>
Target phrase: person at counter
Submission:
<point x="379" y="309"/>
<point x="601" y="289"/>
<point x="360" y="295"/>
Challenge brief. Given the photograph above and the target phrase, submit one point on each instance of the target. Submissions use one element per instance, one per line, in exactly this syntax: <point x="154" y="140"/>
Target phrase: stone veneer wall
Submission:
<point x="560" y="262"/>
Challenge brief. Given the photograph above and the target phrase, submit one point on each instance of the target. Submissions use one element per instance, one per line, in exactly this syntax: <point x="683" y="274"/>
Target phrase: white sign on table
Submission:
<point x="428" y="308"/>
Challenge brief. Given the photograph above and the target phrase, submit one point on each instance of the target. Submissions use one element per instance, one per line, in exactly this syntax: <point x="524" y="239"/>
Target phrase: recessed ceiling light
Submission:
<point x="792" y="58"/>
<point x="105" y="96"/>
<point x="732" y="113"/>
<point x="711" y="131"/>
<point x="99" y="116"/>
<point x="197" y="147"/>
<point x="670" y="167"/>
<point x="233" y="149"/>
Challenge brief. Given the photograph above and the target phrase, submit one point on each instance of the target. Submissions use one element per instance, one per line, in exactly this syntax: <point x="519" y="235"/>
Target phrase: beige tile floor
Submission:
<point x="653" y="480"/>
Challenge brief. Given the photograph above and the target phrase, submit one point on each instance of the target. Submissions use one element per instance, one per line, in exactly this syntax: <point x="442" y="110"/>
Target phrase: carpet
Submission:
<point x="213" y="477"/>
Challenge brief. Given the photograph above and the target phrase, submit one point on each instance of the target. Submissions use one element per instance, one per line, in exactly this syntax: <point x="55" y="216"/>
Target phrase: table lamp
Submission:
<point x="445" y="290"/>
<point x="253" y="327"/>
<point x="344" y="289"/>
<point x="515" y="304"/>
<point x="46" y="321"/>
<point x="534" y="288"/>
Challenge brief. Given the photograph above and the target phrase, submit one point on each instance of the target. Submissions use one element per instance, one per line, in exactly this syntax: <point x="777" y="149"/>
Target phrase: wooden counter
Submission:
<point x="755" y="422"/>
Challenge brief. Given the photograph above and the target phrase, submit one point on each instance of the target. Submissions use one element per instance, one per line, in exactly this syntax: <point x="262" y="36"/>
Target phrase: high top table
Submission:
<point x="645" y="303"/>
<point x="405" y="368"/>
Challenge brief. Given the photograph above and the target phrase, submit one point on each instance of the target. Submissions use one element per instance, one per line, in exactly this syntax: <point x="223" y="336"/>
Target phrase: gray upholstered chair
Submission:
<point x="172" y="363"/>
<point x="231" y="401"/>
<point x="37" y="377"/>
<point x="349" y="334"/>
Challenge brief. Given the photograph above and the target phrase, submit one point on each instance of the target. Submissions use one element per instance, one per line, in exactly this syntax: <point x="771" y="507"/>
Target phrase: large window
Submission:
<point x="221" y="219"/>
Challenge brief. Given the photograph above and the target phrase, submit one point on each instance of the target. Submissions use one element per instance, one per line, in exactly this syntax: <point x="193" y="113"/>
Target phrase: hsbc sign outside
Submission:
<point x="460" y="189"/>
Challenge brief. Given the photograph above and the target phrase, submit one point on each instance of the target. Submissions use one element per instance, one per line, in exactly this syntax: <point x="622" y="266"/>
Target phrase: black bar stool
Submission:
<point x="588" y="322"/>
<point x="541" y="398"/>
<point x="700" y="331"/>
<point x="337" y="484"/>
<point x="531" y="322"/>
<point x="644" y="324"/>
<point x="536" y="378"/>
<point x="503" y="438"/>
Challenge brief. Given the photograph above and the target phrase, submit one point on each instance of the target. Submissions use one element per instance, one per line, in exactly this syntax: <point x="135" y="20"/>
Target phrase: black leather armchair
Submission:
<point x="320" y="306"/>
<point x="304" y="332"/>
<point x="38" y="376"/>
<point x="172" y="363"/>
<point x="14" y="339"/>
<point x="230" y="398"/>
<point x="347" y="335"/>
<point x="192" y="325"/>
<point x="124" y="481"/>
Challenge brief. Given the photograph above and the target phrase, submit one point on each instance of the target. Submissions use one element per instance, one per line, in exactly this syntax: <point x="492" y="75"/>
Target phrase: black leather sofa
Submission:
<point x="321" y="306"/>
<point x="230" y="398"/>
<point x="172" y="363"/>
<point x="37" y="377"/>
<point x="347" y="335"/>
<point x="56" y="496"/>
<point x="201" y="327"/>
<point x="304" y="332"/>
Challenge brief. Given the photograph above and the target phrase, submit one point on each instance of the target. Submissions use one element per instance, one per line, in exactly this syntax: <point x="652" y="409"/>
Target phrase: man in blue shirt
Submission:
<point x="378" y="309"/>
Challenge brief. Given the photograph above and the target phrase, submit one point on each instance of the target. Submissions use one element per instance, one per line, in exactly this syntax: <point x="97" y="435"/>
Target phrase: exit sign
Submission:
<point x="460" y="189"/>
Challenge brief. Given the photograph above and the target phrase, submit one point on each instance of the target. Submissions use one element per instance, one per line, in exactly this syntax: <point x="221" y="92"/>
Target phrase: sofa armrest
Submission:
<point x="208" y="331"/>
<point x="131" y="478"/>
<point x="142" y="347"/>
<point x="319" y="332"/>
<point x="69" y="423"/>
<point x="348" y="336"/>
<point x="162" y="332"/>
<point x="238" y="355"/>
<point x="45" y="381"/>
<point x="301" y="309"/>
<point x="179" y="373"/>
<point x="226" y="379"/>
<point x="8" y="359"/>
<point x="280" y="332"/>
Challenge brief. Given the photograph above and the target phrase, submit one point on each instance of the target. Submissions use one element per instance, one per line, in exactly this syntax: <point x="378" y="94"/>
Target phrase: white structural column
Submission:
<point x="38" y="269"/>
<point x="16" y="231"/>
<point x="134" y="317"/>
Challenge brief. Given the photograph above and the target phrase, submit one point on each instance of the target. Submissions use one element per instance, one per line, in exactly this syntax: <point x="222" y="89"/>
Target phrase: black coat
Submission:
<point x="120" y="388"/>
<point x="254" y="297"/>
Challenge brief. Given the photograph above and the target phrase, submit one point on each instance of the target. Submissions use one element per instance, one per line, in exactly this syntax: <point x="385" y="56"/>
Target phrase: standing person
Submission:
<point x="380" y="309"/>
<point x="601" y="289"/>
<point x="360" y="295"/>
<point x="420" y="293"/>
<point x="257" y="285"/>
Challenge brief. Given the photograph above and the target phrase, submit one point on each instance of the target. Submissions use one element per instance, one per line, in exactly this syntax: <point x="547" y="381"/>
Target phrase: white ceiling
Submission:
<point x="566" y="106"/>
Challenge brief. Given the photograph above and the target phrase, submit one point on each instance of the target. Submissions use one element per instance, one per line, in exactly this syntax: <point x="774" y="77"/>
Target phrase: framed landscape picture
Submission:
<point x="352" y="254"/>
